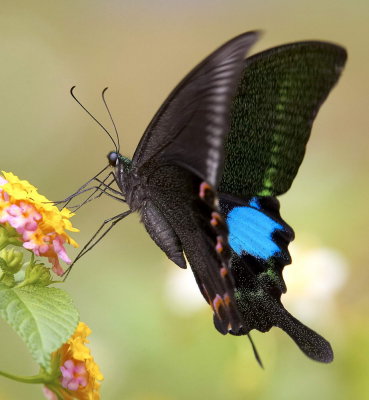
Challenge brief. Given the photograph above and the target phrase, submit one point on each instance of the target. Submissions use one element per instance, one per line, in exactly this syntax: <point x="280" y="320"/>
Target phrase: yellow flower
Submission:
<point x="41" y="225"/>
<point x="80" y="375"/>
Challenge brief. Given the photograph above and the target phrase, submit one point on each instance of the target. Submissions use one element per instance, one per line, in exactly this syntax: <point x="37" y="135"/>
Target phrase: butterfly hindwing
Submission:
<point x="259" y="238"/>
<point x="256" y="228"/>
<point x="190" y="127"/>
<point x="278" y="97"/>
<point x="190" y="207"/>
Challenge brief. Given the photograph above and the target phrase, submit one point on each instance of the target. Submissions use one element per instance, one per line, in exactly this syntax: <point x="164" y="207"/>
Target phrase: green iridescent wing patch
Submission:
<point x="279" y="95"/>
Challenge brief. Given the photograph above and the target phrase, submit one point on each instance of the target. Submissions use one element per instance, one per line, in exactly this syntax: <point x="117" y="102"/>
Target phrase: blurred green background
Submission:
<point x="152" y="337"/>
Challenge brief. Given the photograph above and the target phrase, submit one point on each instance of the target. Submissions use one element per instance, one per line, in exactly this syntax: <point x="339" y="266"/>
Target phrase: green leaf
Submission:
<point x="43" y="317"/>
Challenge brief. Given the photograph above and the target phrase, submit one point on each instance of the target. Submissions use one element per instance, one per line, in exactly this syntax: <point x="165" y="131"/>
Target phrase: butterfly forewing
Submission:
<point x="279" y="95"/>
<point x="190" y="128"/>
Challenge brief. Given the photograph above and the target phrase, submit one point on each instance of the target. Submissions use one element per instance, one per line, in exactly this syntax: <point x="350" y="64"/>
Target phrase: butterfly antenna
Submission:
<point x="111" y="117"/>
<point x="88" y="112"/>
<point x="256" y="353"/>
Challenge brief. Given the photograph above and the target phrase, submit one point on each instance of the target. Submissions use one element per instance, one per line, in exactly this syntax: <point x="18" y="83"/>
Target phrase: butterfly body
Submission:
<point x="229" y="138"/>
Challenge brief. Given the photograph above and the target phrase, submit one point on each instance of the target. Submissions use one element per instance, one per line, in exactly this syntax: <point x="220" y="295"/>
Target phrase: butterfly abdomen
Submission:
<point x="162" y="233"/>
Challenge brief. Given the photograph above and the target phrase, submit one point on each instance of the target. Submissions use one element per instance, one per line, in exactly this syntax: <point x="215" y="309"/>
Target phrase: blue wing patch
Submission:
<point x="254" y="203"/>
<point x="256" y="228"/>
<point x="251" y="231"/>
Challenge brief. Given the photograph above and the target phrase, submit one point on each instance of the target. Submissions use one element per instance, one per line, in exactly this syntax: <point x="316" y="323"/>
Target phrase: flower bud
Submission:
<point x="8" y="235"/>
<point x="12" y="260"/>
<point x="37" y="274"/>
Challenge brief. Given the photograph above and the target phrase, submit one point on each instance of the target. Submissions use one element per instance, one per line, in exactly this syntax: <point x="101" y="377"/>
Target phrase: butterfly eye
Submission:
<point x="113" y="158"/>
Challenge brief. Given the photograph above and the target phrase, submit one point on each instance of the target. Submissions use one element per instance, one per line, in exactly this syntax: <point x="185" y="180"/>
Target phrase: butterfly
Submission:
<point x="206" y="172"/>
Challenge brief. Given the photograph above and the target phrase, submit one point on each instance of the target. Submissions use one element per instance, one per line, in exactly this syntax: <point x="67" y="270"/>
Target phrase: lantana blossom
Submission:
<point x="41" y="225"/>
<point x="80" y="375"/>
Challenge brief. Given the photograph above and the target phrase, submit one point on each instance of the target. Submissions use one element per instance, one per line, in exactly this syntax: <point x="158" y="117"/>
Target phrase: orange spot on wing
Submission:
<point x="217" y="303"/>
<point x="219" y="246"/>
<point x="223" y="272"/>
<point x="215" y="219"/>
<point x="204" y="187"/>
<point x="227" y="299"/>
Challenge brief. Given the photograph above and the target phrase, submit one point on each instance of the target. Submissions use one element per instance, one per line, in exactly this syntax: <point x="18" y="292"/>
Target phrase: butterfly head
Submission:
<point x="113" y="158"/>
<point x="122" y="167"/>
<point x="120" y="163"/>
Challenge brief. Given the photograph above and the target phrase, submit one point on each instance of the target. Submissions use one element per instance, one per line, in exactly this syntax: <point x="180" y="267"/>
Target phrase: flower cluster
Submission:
<point x="80" y="375"/>
<point x="28" y="219"/>
<point x="40" y="225"/>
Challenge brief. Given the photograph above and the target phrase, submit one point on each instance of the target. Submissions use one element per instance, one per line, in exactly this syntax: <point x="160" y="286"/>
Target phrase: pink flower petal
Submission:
<point x="67" y="374"/>
<point x="69" y="364"/>
<point x="43" y="248"/>
<point x="31" y="225"/>
<point x="73" y="385"/>
<point x="14" y="210"/>
<point x="56" y="266"/>
<point x="82" y="381"/>
<point x="60" y="250"/>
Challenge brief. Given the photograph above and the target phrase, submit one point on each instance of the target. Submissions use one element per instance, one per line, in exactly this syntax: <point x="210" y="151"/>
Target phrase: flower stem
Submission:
<point x="26" y="379"/>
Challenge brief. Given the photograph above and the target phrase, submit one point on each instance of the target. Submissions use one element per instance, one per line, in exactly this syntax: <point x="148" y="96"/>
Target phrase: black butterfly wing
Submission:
<point x="189" y="205"/>
<point x="259" y="240"/>
<point x="279" y="95"/>
<point x="190" y="127"/>
<point x="277" y="100"/>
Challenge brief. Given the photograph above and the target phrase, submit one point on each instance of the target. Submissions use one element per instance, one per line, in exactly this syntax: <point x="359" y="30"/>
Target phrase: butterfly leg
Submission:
<point x="102" y="188"/>
<point x="117" y="193"/>
<point x="108" y="224"/>
<point x="80" y="189"/>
